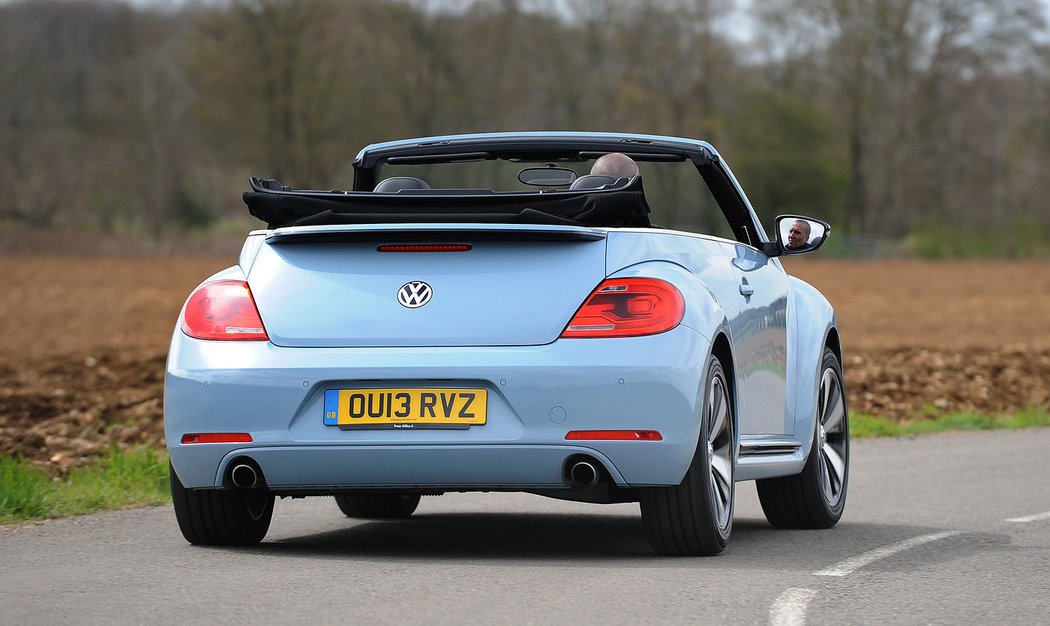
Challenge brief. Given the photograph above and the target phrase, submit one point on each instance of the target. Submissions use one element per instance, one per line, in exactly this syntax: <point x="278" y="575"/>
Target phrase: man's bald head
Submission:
<point x="798" y="235"/>
<point x="615" y="164"/>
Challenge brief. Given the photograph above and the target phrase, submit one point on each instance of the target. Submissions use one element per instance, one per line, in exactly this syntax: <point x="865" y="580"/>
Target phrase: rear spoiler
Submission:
<point x="430" y="233"/>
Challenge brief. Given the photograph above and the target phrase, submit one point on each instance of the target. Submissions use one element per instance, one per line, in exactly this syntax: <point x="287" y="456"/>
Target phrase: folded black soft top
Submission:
<point x="279" y="206"/>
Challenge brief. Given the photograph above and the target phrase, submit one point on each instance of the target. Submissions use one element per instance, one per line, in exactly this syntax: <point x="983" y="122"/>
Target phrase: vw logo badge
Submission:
<point x="414" y="294"/>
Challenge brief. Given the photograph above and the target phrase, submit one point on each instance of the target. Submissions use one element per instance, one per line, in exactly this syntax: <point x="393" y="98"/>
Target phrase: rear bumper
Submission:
<point x="536" y="395"/>
<point x="401" y="467"/>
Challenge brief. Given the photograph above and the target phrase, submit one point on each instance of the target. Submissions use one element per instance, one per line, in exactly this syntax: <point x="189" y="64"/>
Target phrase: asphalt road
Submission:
<point x="925" y="539"/>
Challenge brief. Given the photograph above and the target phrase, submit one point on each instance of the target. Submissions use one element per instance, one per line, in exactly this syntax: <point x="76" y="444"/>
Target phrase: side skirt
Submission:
<point x="768" y="458"/>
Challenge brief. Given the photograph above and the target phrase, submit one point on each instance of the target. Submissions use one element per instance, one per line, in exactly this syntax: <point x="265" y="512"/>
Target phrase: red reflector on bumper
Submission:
<point x="216" y="438"/>
<point x="614" y="435"/>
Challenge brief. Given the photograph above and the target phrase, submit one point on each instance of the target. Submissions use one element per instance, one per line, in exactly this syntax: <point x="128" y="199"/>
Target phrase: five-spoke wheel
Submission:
<point x="816" y="497"/>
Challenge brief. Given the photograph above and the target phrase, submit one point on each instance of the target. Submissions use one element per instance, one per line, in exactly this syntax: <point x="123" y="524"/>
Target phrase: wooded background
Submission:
<point x="923" y="125"/>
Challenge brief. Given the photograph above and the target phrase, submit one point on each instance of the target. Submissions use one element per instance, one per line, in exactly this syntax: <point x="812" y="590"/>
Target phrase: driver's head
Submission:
<point x="615" y="164"/>
<point x="798" y="234"/>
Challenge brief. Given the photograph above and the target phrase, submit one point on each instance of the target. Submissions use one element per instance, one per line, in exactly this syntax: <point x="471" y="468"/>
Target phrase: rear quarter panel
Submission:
<point x="697" y="265"/>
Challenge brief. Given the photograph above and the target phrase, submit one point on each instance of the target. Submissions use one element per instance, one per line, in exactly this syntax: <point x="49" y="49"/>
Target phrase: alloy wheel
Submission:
<point x="720" y="448"/>
<point x="832" y="436"/>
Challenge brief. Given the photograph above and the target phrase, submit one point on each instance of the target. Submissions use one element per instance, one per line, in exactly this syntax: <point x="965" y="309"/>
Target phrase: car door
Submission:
<point x="759" y="326"/>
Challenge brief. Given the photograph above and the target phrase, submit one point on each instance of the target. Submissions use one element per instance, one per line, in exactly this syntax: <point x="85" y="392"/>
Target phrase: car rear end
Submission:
<point x="430" y="358"/>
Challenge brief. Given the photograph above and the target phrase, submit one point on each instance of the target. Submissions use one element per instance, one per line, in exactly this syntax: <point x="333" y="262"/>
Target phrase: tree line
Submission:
<point x="896" y="118"/>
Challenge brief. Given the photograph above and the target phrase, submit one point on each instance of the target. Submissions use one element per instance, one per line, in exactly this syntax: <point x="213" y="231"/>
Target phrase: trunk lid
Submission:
<point x="332" y="287"/>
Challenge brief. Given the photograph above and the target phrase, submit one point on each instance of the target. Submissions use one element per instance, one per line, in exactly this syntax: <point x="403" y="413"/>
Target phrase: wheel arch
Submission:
<point x="812" y="327"/>
<point x="834" y="343"/>
<point x="722" y="348"/>
<point x="695" y="517"/>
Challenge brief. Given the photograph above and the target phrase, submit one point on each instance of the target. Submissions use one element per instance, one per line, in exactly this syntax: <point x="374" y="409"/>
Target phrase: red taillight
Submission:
<point x="223" y="309"/>
<point x="628" y="307"/>
<point x="614" y="435"/>
<point x="216" y="438"/>
<point x="427" y="247"/>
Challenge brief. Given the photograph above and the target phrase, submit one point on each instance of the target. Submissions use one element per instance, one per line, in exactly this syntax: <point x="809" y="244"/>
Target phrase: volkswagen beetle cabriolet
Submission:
<point x="496" y="312"/>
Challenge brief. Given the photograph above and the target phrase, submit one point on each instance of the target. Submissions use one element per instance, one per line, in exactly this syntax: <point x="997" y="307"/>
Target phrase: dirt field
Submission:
<point x="83" y="341"/>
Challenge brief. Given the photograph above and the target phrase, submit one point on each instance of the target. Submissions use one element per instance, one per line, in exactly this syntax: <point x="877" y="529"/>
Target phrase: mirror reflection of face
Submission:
<point x="798" y="234"/>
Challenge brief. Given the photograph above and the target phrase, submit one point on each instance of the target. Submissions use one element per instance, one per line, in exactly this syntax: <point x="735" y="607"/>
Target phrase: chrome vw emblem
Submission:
<point x="414" y="294"/>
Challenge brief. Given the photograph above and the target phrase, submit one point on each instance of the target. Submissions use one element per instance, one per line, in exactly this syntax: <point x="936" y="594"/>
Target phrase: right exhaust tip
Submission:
<point x="244" y="476"/>
<point x="583" y="473"/>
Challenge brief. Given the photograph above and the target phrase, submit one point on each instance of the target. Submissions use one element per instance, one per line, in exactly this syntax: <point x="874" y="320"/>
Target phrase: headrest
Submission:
<point x="398" y="183"/>
<point x="595" y="181"/>
<point x="273" y="184"/>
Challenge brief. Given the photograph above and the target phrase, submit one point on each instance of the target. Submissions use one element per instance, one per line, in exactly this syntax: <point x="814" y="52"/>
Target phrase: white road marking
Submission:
<point x="789" y="609"/>
<point x="851" y="565"/>
<point x="1029" y="518"/>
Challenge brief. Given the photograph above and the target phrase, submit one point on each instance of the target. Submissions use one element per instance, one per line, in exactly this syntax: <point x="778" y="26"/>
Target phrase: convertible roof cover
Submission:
<point x="281" y="206"/>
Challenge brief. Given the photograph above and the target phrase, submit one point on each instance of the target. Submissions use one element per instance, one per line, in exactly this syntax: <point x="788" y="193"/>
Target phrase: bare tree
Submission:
<point x="899" y="116"/>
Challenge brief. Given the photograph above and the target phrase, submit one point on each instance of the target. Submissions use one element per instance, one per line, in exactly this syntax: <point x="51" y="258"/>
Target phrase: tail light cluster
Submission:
<point x="628" y="307"/>
<point x="619" y="307"/>
<point x="223" y="309"/>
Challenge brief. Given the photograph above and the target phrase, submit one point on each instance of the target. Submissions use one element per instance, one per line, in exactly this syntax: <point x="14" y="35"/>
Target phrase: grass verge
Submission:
<point x="863" y="425"/>
<point x="119" y="479"/>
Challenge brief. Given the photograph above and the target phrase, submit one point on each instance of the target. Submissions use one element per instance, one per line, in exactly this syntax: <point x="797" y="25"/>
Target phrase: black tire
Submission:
<point x="221" y="517"/>
<point x="378" y="506"/>
<point x="695" y="518"/>
<point x="816" y="497"/>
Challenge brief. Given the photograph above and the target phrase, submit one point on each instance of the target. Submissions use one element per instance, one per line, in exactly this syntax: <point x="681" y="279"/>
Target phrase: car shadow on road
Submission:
<point x="595" y="540"/>
<point x="533" y="536"/>
<point x="471" y="536"/>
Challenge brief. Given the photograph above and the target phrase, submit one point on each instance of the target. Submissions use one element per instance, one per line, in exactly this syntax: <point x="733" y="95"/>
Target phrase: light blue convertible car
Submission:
<point x="501" y="312"/>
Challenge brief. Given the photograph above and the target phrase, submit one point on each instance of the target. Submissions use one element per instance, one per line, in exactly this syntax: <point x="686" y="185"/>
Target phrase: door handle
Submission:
<point x="747" y="290"/>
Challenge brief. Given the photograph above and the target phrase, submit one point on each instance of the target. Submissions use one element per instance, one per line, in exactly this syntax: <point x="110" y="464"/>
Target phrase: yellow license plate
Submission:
<point x="405" y="408"/>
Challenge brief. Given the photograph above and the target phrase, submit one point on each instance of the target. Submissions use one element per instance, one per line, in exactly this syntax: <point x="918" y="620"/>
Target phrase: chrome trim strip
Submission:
<point x="768" y="447"/>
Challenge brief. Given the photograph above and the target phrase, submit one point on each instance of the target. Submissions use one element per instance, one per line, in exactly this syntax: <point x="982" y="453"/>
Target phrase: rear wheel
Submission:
<point x="816" y="497"/>
<point x="695" y="518"/>
<point x="379" y="506"/>
<point x="221" y="517"/>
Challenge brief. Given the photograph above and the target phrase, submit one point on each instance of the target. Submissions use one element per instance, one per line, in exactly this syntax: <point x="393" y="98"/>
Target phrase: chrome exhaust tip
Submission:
<point x="244" y="476"/>
<point x="583" y="473"/>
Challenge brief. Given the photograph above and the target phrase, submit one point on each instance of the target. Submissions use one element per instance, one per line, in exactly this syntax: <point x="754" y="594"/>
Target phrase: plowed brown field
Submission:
<point x="83" y="340"/>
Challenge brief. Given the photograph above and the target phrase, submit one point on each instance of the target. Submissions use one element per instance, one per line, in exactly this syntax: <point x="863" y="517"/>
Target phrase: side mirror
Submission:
<point x="797" y="234"/>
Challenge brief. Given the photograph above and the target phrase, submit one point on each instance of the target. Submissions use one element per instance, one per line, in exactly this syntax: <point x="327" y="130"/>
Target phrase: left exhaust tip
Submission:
<point x="584" y="474"/>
